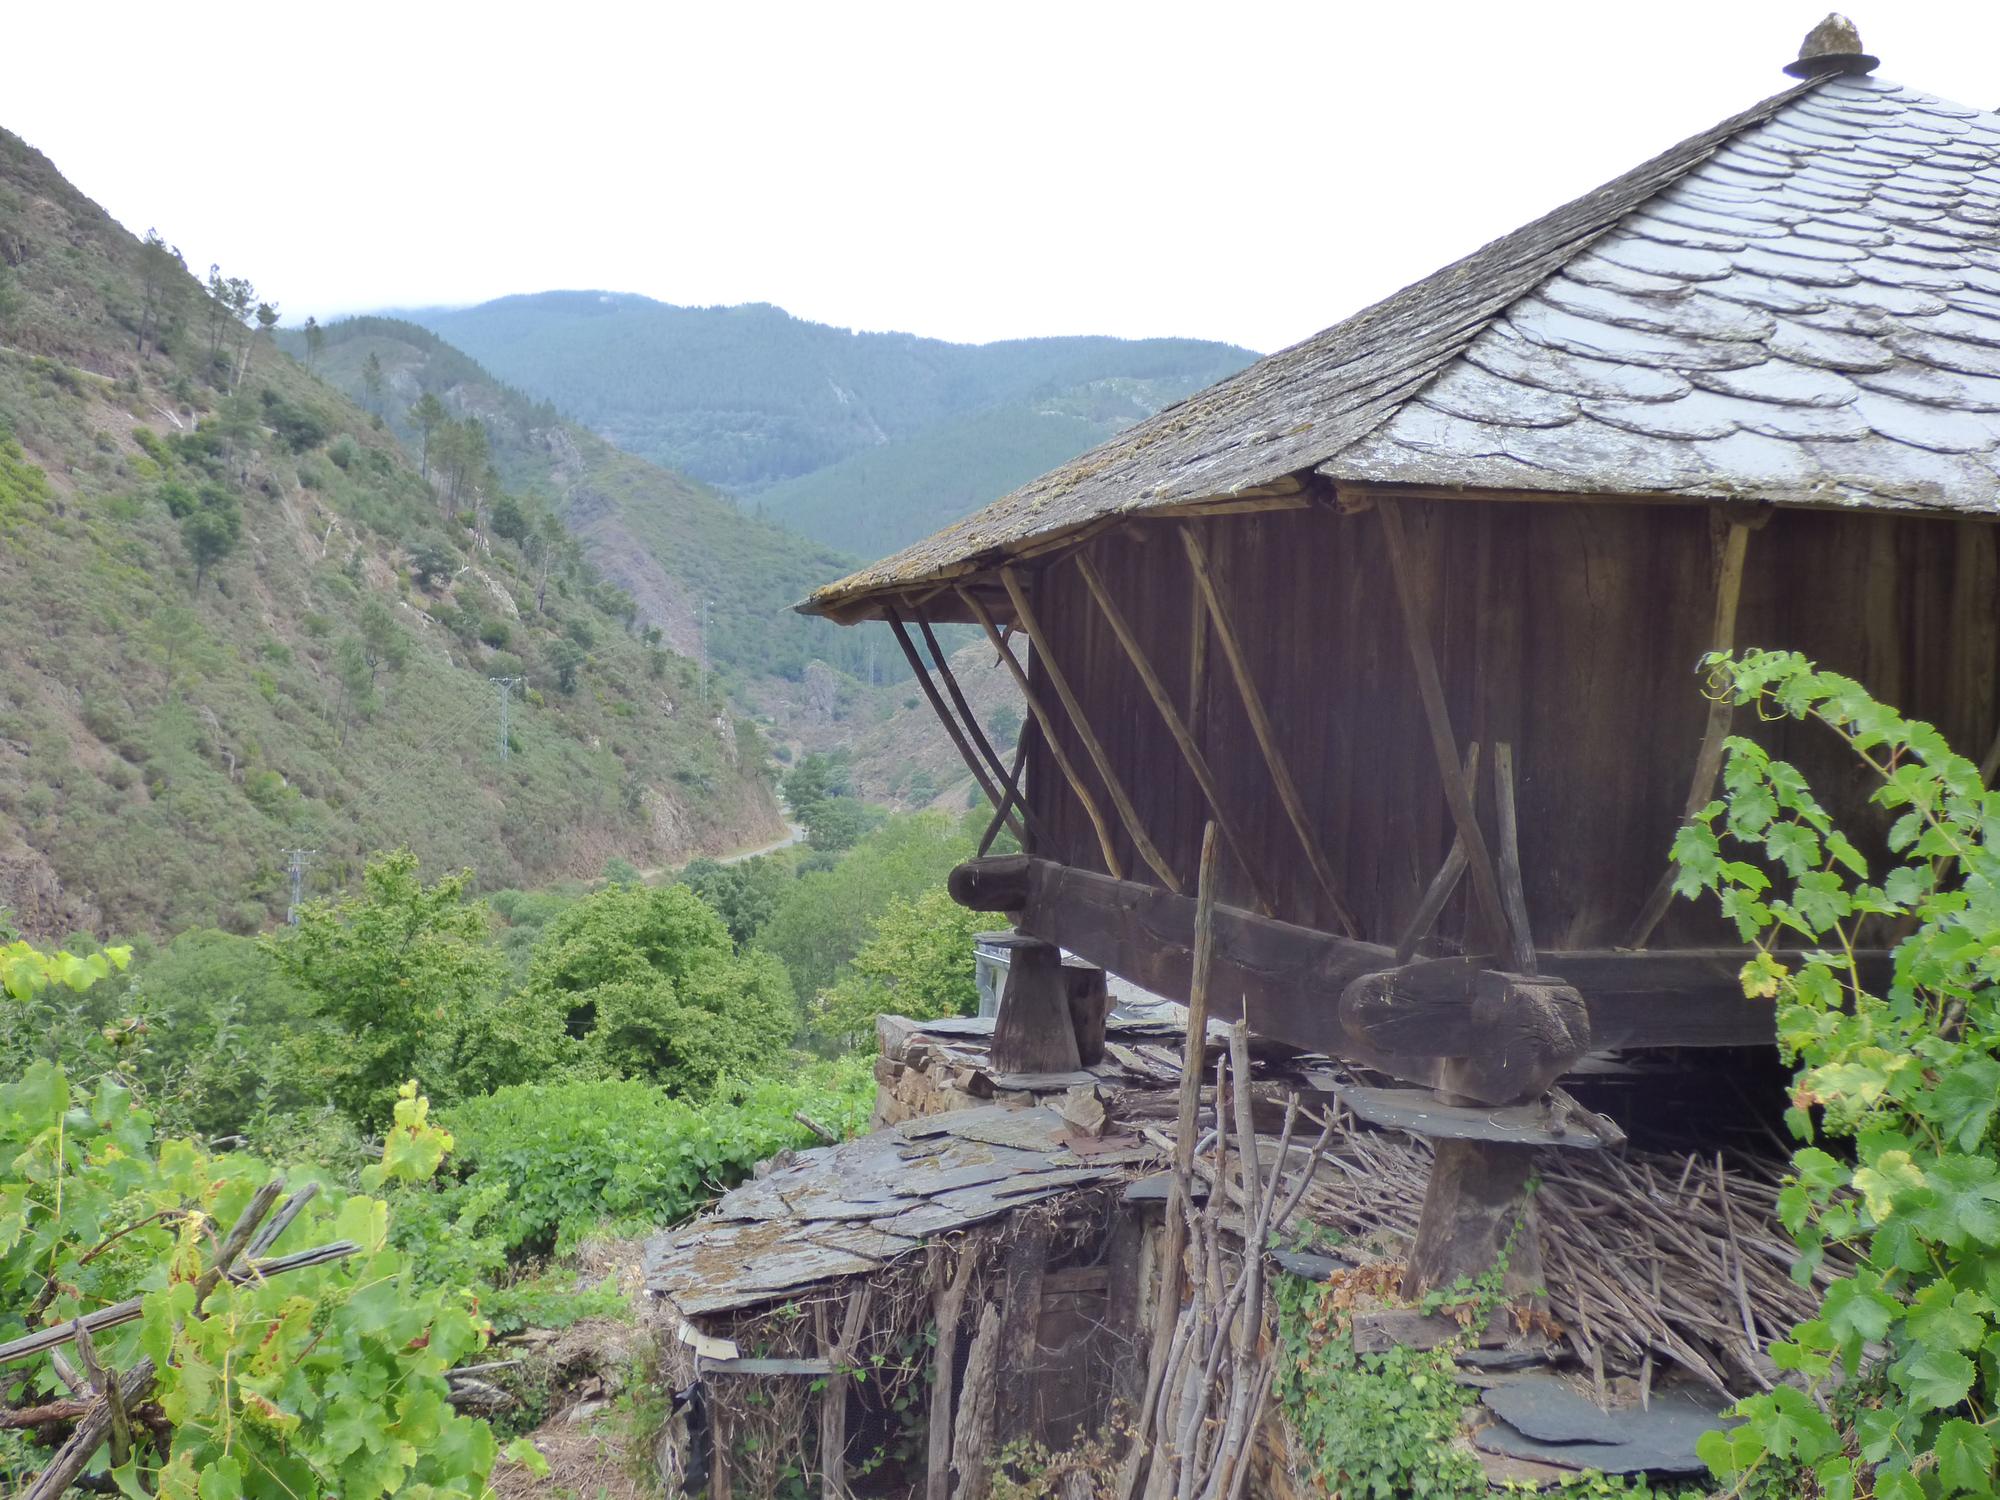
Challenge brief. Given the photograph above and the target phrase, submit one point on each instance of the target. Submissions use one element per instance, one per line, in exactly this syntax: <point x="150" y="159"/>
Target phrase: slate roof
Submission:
<point x="1800" y="306"/>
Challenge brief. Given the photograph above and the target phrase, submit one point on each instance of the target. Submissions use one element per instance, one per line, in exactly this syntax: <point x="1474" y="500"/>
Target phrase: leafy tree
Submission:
<point x="431" y="561"/>
<point x="1004" y="727"/>
<point x="837" y="823"/>
<point x="1905" y="1084"/>
<point x="160" y="287"/>
<point x="744" y="894"/>
<point x="648" y="980"/>
<point x="827" y="914"/>
<point x="210" y="532"/>
<point x="403" y="971"/>
<point x="171" y="633"/>
<point x="372" y="381"/>
<point x="427" y="415"/>
<point x="508" y="520"/>
<point x="566" y="659"/>
<point x="917" y="962"/>
<point x="315" y="341"/>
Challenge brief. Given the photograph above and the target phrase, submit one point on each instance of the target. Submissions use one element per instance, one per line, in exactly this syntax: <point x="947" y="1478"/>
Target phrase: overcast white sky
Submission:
<point x="1235" y="170"/>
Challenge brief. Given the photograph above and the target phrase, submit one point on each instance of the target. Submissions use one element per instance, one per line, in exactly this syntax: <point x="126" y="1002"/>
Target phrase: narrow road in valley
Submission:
<point x="795" y="834"/>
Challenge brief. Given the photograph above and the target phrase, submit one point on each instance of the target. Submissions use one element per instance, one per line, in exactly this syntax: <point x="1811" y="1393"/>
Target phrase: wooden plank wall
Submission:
<point x="1572" y="631"/>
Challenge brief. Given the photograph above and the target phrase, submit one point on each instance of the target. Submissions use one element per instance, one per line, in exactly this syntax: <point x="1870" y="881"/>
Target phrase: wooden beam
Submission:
<point x="944" y="717"/>
<point x="1513" y="894"/>
<point x="1708" y="758"/>
<point x="1266" y="733"/>
<point x="1471" y="1034"/>
<point x="1068" y="767"/>
<point x="1445" y="881"/>
<point x="1182" y="734"/>
<point x="1135" y="829"/>
<point x="1282" y="978"/>
<point x="1444" y="745"/>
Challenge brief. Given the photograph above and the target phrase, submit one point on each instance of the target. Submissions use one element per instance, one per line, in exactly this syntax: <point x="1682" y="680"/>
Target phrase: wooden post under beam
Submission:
<point x="1267" y="735"/>
<point x="1075" y="778"/>
<point x="944" y="717"/>
<point x="1707" y="759"/>
<point x="1521" y="947"/>
<point x="1024" y="615"/>
<point x="1183" y="735"/>
<point x="1430" y="688"/>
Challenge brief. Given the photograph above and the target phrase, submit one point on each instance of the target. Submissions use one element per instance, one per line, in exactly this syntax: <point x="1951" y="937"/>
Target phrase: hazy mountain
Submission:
<point x="237" y="620"/>
<point x="863" y="439"/>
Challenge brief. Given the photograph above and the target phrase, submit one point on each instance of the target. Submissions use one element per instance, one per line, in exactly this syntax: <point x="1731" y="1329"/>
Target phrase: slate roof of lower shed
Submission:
<point x="1799" y="306"/>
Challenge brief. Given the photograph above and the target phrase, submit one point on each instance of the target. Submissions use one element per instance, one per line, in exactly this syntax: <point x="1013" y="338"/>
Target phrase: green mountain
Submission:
<point x="676" y="546"/>
<point x="863" y="439"/>
<point x="238" y="621"/>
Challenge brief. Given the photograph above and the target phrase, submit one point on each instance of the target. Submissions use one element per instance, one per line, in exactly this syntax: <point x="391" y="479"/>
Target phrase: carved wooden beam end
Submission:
<point x="1479" y="1034"/>
<point x="996" y="883"/>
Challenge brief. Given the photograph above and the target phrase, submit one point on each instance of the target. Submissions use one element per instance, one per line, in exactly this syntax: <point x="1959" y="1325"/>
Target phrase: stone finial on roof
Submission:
<point x="1833" y="46"/>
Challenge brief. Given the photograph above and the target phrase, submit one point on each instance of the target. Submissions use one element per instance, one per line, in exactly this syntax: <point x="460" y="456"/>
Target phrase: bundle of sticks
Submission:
<point x="1651" y="1259"/>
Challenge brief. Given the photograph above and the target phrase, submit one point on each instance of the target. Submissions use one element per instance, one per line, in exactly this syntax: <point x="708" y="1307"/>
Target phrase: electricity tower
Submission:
<point x="506" y="686"/>
<point x="297" y="871"/>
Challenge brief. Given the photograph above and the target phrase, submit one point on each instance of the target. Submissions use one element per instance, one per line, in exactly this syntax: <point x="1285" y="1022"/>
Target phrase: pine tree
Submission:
<point x="315" y="341"/>
<point x="160" y="272"/>
<point x="428" y="414"/>
<point x="371" y="381"/>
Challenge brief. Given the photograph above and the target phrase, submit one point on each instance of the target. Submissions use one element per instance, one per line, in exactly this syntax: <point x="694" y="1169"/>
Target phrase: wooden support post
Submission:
<point x="1267" y="734"/>
<point x="1182" y="734"/>
<point x="949" y="1310"/>
<point x="1020" y="1328"/>
<point x="972" y="1430"/>
<point x="1476" y="1208"/>
<point x="1513" y="894"/>
<point x="1033" y="1032"/>
<point x="1068" y="767"/>
<point x="1721" y="709"/>
<point x="972" y="726"/>
<point x="1173" y="1248"/>
<point x="944" y="717"/>
<point x="1444" y="745"/>
<point x="1089" y="992"/>
<point x="1445" y="881"/>
<point x="833" y="1401"/>
<point x="1024" y="614"/>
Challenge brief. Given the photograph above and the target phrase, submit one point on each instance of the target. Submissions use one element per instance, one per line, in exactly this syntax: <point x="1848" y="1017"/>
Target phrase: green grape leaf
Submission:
<point x="1964" y="1457"/>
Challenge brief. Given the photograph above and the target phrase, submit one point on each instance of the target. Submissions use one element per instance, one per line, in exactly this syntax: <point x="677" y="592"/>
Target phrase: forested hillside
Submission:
<point x="239" y="621"/>
<point x="908" y="433"/>
<point x="674" y="544"/>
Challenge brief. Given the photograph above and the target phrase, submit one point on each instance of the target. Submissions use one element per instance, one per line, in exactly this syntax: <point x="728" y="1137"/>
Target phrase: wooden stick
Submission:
<point x="950" y="679"/>
<point x="1708" y="759"/>
<point x="1070" y="773"/>
<point x="1430" y="687"/>
<point x="833" y="1401"/>
<point x="1267" y="735"/>
<point x="1013" y="791"/>
<point x="1173" y="1249"/>
<point x="1513" y="895"/>
<point x="1445" y="881"/>
<point x="1127" y="813"/>
<point x="944" y="715"/>
<point x="1176" y="726"/>
<point x="282" y="1219"/>
<point x="949" y="1312"/>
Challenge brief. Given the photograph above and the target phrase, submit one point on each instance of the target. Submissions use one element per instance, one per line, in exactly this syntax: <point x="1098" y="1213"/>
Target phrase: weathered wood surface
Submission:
<point x="1128" y="815"/>
<point x="1476" y="1208"/>
<point x="1286" y="980"/>
<point x="1571" y="631"/>
<point x="1033" y="1032"/>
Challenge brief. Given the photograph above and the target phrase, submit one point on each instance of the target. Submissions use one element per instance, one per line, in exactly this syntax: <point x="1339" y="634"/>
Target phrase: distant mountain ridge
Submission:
<point x="860" y="440"/>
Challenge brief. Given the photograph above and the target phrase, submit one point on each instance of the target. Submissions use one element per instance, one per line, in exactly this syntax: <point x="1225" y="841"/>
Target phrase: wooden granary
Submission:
<point x="1413" y="612"/>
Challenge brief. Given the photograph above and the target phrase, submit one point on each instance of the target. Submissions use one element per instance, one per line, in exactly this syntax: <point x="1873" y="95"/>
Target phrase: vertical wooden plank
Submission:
<point x="1080" y="722"/>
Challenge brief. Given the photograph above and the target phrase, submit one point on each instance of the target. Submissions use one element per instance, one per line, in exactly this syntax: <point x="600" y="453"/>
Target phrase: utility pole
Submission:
<point x="506" y="686"/>
<point x="701" y="654"/>
<point x="297" y="871"/>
